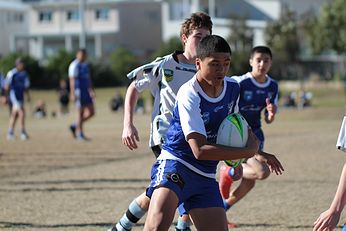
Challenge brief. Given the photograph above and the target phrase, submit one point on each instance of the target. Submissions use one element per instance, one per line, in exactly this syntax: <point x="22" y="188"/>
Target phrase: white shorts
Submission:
<point x="341" y="142"/>
<point x="16" y="104"/>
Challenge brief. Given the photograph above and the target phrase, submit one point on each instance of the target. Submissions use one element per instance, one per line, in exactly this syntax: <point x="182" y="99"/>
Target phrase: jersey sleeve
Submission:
<point x="147" y="76"/>
<point x="73" y="70"/>
<point x="189" y="112"/>
<point x="9" y="78"/>
<point x="341" y="141"/>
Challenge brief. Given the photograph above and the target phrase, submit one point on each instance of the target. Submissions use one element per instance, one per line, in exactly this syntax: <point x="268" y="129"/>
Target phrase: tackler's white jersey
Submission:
<point x="163" y="77"/>
<point x="341" y="142"/>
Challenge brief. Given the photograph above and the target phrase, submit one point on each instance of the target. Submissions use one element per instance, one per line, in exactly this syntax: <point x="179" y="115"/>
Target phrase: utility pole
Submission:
<point x="82" y="34"/>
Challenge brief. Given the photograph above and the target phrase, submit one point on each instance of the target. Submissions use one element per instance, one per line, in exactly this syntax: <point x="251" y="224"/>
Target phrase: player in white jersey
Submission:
<point x="184" y="173"/>
<point x="329" y="219"/>
<point x="258" y="92"/>
<point x="163" y="77"/>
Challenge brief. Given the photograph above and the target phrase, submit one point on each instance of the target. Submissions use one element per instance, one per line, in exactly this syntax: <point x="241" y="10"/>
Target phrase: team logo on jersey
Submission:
<point x="218" y="108"/>
<point x="248" y="95"/>
<point x="168" y="73"/>
<point x="259" y="92"/>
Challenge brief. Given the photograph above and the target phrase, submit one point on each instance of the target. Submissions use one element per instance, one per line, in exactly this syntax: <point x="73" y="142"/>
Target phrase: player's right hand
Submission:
<point x="130" y="137"/>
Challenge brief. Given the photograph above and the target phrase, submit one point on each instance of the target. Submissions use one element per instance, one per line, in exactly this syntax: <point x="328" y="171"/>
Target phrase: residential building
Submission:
<point x="53" y="25"/>
<point x="138" y="25"/>
<point x="13" y="20"/>
<point x="257" y="13"/>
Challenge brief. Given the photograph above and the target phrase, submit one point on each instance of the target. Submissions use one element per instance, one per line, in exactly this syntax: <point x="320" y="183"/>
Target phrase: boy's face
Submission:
<point x="20" y="66"/>
<point x="191" y="42"/>
<point x="213" y="68"/>
<point x="260" y="63"/>
<point x="81" y="56"/>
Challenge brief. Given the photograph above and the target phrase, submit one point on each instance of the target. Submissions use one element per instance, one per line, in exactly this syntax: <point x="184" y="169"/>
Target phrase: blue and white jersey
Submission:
<point x="80" y="72"/>
<point x="194" y="111"/>
<point x="253" y="97"/>
<point x="17" y="82"/>
<point x="163" y="77"/>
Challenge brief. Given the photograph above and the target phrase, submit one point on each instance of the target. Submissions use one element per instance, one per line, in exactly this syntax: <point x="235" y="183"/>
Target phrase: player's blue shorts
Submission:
<point x="260" y="136"/>
<point x="83" y="99"/>
<point x="192" y="189"/>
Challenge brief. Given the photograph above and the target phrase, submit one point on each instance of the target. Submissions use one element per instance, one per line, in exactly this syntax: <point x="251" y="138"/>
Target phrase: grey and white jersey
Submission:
<point x="163" y="77"/>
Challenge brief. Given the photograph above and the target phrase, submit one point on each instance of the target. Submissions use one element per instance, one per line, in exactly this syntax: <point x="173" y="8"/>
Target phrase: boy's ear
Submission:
<point x="250" y="62"/>
<point x="183" y="38"/>
<point x="198" y="63"/>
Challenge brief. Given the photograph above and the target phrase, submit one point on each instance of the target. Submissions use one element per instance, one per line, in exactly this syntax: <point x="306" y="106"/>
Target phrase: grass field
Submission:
<point x="52" y="182"/>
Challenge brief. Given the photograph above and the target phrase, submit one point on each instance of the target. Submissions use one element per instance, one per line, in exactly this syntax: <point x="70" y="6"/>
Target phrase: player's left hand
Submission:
<point x="271" y="160"/>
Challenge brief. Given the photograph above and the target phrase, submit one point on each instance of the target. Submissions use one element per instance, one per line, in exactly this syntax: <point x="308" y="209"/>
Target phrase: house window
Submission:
<point x="15" y="17"/>
<point x="72" y="15"/>
<point x="102" y="14"/>
<point x="45" y="16"/>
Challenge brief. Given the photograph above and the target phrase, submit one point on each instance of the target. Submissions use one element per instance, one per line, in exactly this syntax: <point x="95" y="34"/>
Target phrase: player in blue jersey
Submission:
<point x="258" y="92"/>
<point x="81" y="92"/>
<point x="163" y="77"/>
<point x="184" y="173"/>
<point x="16" y="84"/>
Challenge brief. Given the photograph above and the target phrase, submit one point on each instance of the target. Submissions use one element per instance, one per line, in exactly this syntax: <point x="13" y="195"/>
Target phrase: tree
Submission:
<point x="241" y="41"/>
<point x="168" y="47"/>
<point x="58" y="64"/>
<point x="122" y="62"/>
<point x="282" y="37"/>
<point x="35" y="71"/>
<point x="328" y="31"/>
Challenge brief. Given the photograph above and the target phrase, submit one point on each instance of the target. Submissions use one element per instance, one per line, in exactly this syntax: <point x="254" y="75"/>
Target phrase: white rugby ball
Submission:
<point x="233" y="132"/>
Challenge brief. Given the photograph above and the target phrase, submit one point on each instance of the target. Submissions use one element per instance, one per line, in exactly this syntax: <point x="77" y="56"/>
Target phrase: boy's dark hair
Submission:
<point x="82" y="50"/>
<point x="261" y="49"/>
<point x="195" y="21"/>
<point x="212" y="44"/>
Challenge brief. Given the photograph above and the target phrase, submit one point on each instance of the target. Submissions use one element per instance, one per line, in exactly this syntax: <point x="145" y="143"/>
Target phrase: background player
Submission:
<point x="258" y="92"/>
<point x="16" y="84"/>
<point x="163" y="77"/>
<point x="81" y="92"/>
<point x="184" y="173"/>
